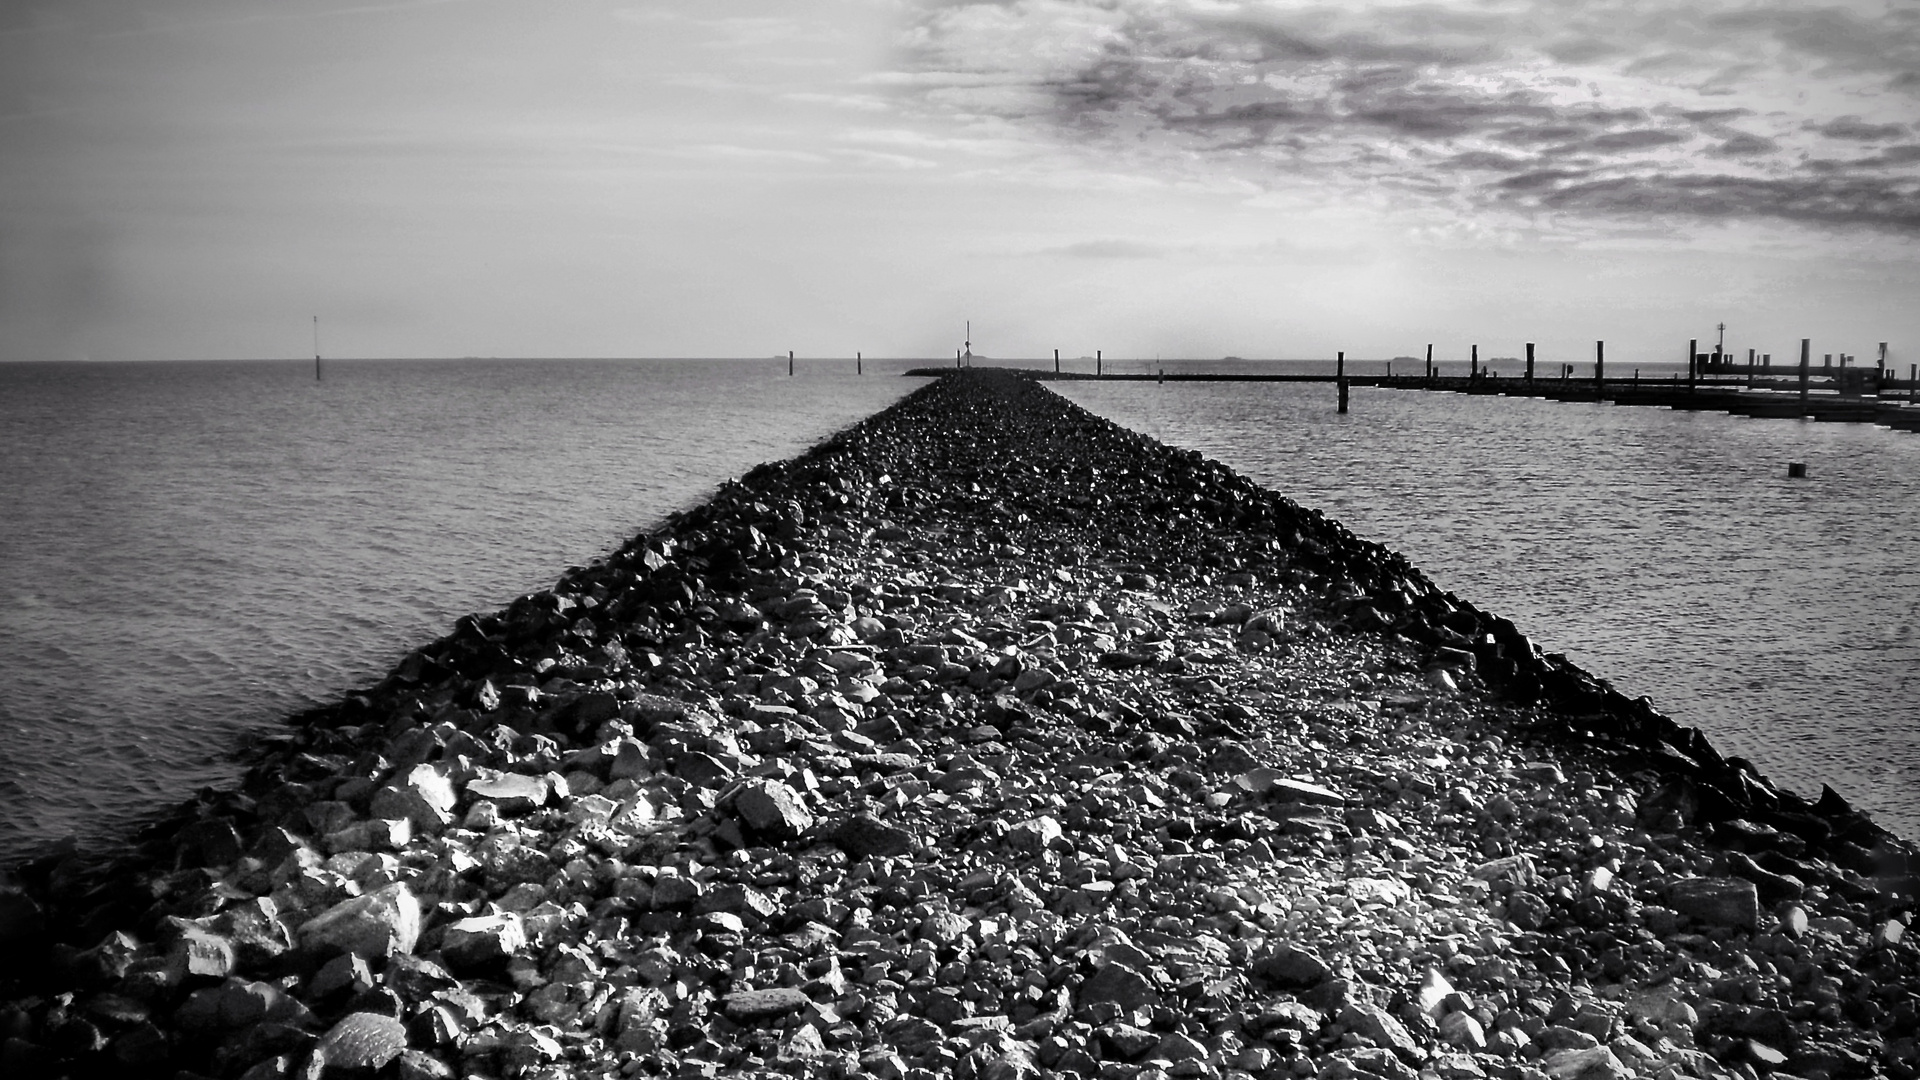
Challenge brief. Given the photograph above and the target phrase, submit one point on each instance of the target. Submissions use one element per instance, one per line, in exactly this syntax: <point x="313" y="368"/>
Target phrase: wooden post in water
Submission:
<point x="789" y="363"/>
<point x="1749" y="368"/>
<point x="1913" y="381"/>
<point x="1599" y="370"/>
<point x="1429" y="361"/>
<point x="1098" y="361"/>
<point x="1056" y="361"/>
<point x="1529" y="365"/>
<point x="956" y="358"/>
<point x="1340" y="378"/>
<point x="316" y="348"/>
<point x="859" y="364"/>
<point x="1806" y="358"/>
<point x="1473" y="365"/>
<point x="1693" y="363"/>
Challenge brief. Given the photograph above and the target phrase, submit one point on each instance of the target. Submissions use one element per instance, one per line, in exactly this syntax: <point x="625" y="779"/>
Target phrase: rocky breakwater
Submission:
<point x="986" y="739"/>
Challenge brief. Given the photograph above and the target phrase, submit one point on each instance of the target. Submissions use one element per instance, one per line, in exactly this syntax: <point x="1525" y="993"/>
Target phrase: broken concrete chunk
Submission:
<point x="512" y="793"/>
<point x="1730" y="902"/>
<point x="748" y="1006"/>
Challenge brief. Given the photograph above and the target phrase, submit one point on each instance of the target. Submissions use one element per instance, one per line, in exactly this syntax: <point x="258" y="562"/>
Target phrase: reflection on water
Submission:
<point x="1665" y="551"/>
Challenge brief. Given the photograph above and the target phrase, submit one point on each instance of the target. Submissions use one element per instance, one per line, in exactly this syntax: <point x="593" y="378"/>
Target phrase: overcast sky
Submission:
<point x="198" y="178"/>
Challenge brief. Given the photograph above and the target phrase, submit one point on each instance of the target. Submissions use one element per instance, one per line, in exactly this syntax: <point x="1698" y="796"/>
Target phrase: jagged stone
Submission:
<point x="483" y="942"/>
<point x="772" y="809"/>
<point x="362" y="1041"/>
<point x="381" y="923"/>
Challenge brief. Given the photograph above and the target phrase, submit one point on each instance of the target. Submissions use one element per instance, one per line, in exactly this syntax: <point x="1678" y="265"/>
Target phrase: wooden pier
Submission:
<point x="1823" y="392"/>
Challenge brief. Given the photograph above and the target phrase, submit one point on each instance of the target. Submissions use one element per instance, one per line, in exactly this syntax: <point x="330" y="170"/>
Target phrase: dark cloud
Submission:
<point x="1744" y="145"/>
<point x="1856" y="130"/>
<point x="1638" y="139"/>
<point x="1580" y="107"/>
<point x="1848" y="201"/>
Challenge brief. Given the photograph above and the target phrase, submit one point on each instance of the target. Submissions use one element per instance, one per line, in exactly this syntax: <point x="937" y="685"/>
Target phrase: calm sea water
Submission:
<point x="1665" y="551"/>
<point x="189" y="551"/>
<point x="192" y="550"/>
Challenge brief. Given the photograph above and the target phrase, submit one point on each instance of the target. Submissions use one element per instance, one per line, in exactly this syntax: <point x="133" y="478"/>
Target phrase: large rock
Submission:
<point x="362" y="1041"/>
<point x="772" y="809"/>
<point x="1292" y="968"/>
<point x="201" y="955"/>
<point x="1119" y="985"/>
<point x="513" y="793"/>
<point x="1597" y="1063"/>
<point x="1379" y="1027"/>
<point x="482" y="942"/>
<point x="1730" y="902"/>
<point x="422" y="795"/>
<point x="1034" y="835"/>
<point x="863" y="836"/>
<point x="381" y="923"/>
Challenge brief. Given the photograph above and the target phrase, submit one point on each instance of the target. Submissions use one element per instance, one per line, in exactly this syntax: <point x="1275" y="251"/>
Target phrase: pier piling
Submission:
<point x="1429" y="361"/>
<point x="789" y="363"/>
<point x="1599" y="370"/>
<point x="859" y="364"/>
<point x="1056" y="361"/>
<point x="1806" y="357"/>
<point x="1473" y="364"/>
<point x="1098" y="361"/>
<point x="1340" y="378"/>
<point x="1693" y="364"/>
<point x="1529" y="365"/>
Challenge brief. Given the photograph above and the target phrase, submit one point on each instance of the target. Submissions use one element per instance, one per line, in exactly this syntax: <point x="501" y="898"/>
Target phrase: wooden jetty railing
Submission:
<point x="1712" y="382"/>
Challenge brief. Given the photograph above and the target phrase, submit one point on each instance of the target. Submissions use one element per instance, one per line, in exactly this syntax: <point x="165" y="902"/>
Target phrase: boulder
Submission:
<point x="772" y="809"/>
<point x="1290" y="967"/>
<point x="1119" y="985"/>
<point x="422" y="795"/>
<point x="482" y="943"/>
<point x="379" y="924"/>
<point x="362" y="1041"/>
<point x="1729" y="902"/>
<point x="863" y="836"/>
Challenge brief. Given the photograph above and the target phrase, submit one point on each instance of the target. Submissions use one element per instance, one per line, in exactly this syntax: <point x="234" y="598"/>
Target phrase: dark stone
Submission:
<point x="1118" y="985"/>
<point x="863" y="836"/>
<point x="1292" y="968"/>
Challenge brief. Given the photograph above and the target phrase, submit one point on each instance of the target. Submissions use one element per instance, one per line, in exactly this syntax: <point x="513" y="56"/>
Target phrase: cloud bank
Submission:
<point x="1571" y="110"/>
